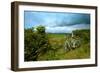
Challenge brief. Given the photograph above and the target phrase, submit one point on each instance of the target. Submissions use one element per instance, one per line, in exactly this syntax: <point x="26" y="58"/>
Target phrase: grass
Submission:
<point x="58" y="52"/>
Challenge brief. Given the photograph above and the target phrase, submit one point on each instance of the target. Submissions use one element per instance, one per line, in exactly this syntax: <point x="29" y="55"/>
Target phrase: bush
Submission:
<point x="84" y="35"/>
<point x="36" y="43"/>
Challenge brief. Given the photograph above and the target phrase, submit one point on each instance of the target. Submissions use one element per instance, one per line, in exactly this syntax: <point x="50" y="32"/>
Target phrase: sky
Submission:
<point x="56" y="22"/>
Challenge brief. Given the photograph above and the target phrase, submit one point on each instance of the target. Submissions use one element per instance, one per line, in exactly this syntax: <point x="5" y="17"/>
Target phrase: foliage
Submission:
<point x="36" y="43"/>
<point x="40" y="29"/>
<point x="83" y="34"/>
<point x="40" y="45"/>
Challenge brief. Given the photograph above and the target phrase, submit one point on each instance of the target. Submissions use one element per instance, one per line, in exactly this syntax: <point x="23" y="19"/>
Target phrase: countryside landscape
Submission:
<point x="56" y="36"/>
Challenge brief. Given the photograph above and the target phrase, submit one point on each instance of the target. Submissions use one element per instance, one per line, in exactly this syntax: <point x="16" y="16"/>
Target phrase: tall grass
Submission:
<point x="58" y="53"/>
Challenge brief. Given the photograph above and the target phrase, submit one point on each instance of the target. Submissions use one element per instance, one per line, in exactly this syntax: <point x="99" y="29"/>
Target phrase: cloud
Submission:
<point x="66" y="29"/>
<point x="57" y="22"/>
<point x="58" y="29"/>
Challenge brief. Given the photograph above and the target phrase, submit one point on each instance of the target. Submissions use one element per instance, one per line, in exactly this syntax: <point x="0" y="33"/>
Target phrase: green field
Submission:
<point x="40" y="46"/>
<point x="58" y="52"/>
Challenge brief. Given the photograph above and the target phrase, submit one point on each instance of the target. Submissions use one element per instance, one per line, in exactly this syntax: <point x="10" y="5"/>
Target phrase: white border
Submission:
<point x="34" y="64"/>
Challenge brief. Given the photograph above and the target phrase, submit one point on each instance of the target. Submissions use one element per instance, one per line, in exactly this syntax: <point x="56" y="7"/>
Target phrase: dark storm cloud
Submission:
<point x="57" y="21"/>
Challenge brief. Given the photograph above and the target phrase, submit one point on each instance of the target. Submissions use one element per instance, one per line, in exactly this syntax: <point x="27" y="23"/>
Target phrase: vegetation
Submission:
<point x="40" y="45"/>
<point x="36" y="43"/>
<point x="83" y="34"/>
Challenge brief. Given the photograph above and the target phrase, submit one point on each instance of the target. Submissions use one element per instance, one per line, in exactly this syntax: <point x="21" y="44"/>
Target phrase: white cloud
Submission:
<point x="58" y="29"/>
<point x="66" y="29"/>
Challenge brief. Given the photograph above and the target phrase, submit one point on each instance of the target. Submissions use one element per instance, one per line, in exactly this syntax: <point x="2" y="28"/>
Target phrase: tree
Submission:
<point x="40" y="29"/>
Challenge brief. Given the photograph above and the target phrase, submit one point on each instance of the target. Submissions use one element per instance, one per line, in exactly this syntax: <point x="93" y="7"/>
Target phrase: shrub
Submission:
<point x="36" y="43"/>
<point x="84" y="35"/>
